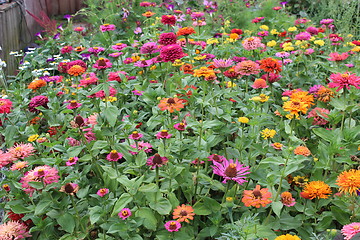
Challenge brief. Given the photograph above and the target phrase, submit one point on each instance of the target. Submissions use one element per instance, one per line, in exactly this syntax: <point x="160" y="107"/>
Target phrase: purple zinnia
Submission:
<point x="37" y="102"/>
<point x="231" y="170"/>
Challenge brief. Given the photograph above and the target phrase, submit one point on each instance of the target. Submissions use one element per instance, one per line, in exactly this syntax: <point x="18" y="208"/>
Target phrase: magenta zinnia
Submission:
<point x="170" y="53"/>
<point x="344" y="80"/>
<point x="231" y="170"/>
<point x="156" y="161"/>
<point x="5" y="105"/>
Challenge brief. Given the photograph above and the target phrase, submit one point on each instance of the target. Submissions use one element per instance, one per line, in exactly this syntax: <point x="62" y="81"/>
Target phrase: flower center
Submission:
<point x="69" y="188"/>
<point x="257" y="193"/>
<point x="101" y="62"/>
<point x="71" y="160"/>
<point x="172" y="225"/>
<point x="157" y="159"/>
<point x="231" y="171"/>
<point x="183" y="213"/>
<point x="124" y="213"/>
<point x="171" y="101"/>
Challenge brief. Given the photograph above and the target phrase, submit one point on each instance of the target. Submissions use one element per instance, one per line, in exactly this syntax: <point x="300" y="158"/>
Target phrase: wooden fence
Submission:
<point x="18" y="29"/>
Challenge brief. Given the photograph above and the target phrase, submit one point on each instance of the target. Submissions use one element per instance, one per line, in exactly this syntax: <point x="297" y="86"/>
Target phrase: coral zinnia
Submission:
<point x="185" y="31"/>
<point x="76" y="70"/>
<point x="5" y="105"/>
<point x="259" y="83"/>
<point x="287" y="199"/>
<point x="288" y="237"/>
<point x="44" y="174"/>
<point x="171" y="104"/>
<point x="316" y="189"/>
<point x="319" y="115"/>
<point x="349" y="181"/>
<point x="36" y="84"/>
<point x="257" y="197"/>
<point x="231" y="170"/>
<point x="270" y="65"/>
<point x="21" y="150"/>
<point x="247" y="67"/>
<point x="302" y="150"/>
<point x="350" y="230"/>
<point x="13" y="230"/>
<point x="183" y="213"/>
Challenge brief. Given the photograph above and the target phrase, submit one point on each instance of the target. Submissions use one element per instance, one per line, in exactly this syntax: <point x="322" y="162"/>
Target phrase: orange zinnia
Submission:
<point x="257" y="197"/>
<point x="270" y="65"/>
<point x="37" y="84"/>
<point x="171" y="104"/>
<point x="295" y="107"/>
<point x="317" y="189"/>
<point x="148" y="14"/>
<point x="303" y="96"/>
<point x="76" y="70"/>
<point x="204" y="72"/>
<point x="187" y="68"/>
<point x="349" y="181"/>
<point x="185" y="31"/>
<point x="324" y="94"/>
<point x="302" y="150"/>
<point x="183" y="213"/>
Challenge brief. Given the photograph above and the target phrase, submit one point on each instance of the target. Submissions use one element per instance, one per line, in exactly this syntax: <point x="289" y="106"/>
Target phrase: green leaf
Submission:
<point x="100" y="145"/>
<point x="67" y="222"/>
<point x="150" y="219"/>
<point x="18" y="209"/>
<point x="151" y="187"/>
<point x="42" y="206"/>
<point x="111" y="114"/>
<point x="37" y="185"/>
<point x="162" y="206"/>
<point x="342" y="217"/>
<point x="200" y="208"/>
<point x="276" y="207"/>
<point x="124" y="199"/>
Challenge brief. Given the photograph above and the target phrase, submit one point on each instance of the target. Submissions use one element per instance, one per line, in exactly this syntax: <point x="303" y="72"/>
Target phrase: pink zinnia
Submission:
<point x="124" y="213"/>
<point x="135" y="135"/>
<point x="350" y="230"/>
<point x="335" y="56"/>
<point x="344" y="80"/>
<point x="88" y="79"/>
<point x="216" y="158"/>
<point x="116" y="54"/>
<point x="96" y="50"/>
<point x="6" y="158"/>
<point x="44" y="174"/>
<point x="163" y="134"/>
<point x="116" y="76"/>
<point x="172" y="226"/>
<point x="312" y="30"/>
<point x="119" y="46"/>
<point x="102" y="63"/>
<point x="73" y="142"/>
<point x="21" y="150"/>
<point x="38" y="101"/>
<point x="72" y="161"/>
<point x="168" y="19"/>
<point x="156" y="161"/>
<point x="5" y="105"/>
<point x="303" y="36"/>
<point x="107" y="27"/>
<point x="102" y="192"/>
<point x="13" y="230"/>
<point x="271" y="77"/>
<point x="259" y="83"/>
<point x="137" y="92"/>
<point x="231" y="170"/>
<point x="149" y="48"/>
<point x="19" y="165"/>
<point x="247" y="67"/>
<point x="141" y="146"/>
<point x="66" y="49"/>
<point x="73" y="105"/>
<point x="252" y="43"/>
<point x="320" y="115"/>
<point x="170" y="53"/>
<point x="114" y="156"/>
<point x="180" y="126"/>
<point x="222" y="63"/>
<point x="167" y="38"/>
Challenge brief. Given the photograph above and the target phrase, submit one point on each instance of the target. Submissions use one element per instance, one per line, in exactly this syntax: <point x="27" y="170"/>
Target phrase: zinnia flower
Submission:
<point x="102" y="192"/>
<point x="107" y="27"/>
<point x="270" y="65"/>
<point x="257" y="197"/>
<point x="71" y="161"/>
<point x="334" y="56"/>
<point x="316" y="189"/>
<point x="36" y="84"/>
<point x="5" y="105"/>
<point x="222" y="63"/>
<point x="124" y="213"/>
<point x="102" y="63"/>
<point x="259" y="83"/>
<point x="21" y="150"/>
<point x="287" y="237"/>
<point x="344" y="80"/>
<point x="171" y="104"/>
<point x="252" y="43"/>
<point x="38" y="101"/>
<point x="19" y="165"/>
<point x="320" y="115"/>
<point x="350" y="230"/>
<point x="76" y="70"/>
<point x="13" y="230"/>
<point x="287" y="199"/>
<point x="216" y="158"/>
<point x="73" y="105"/>
<point x="170" y="53"/>
<point x="135" y="135"/>
<point x="70" y="188"/>
<point x="114" y="156"/>
<point x="168" y="19"/>
<point x="302" y="150"/>
<point x="172" y="226"/>
<point x="167" y="38"/>
<point x="163" y="134"/>
<point x="44" y="174"/>
<point x="349" y="181"/>
<point x="180" y="126"/>
<point x="185" y="31"/>
<point x="247" y="67"/>
<point x="149" y="48"/>
<point x="231" y="170"/>
<point x="183" y="213"/>
<point x="156" y="161"/>
<point x="268" y="133"/>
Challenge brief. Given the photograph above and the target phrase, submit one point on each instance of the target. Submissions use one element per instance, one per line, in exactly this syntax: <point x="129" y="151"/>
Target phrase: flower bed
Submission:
<point x="184" y="124"/>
